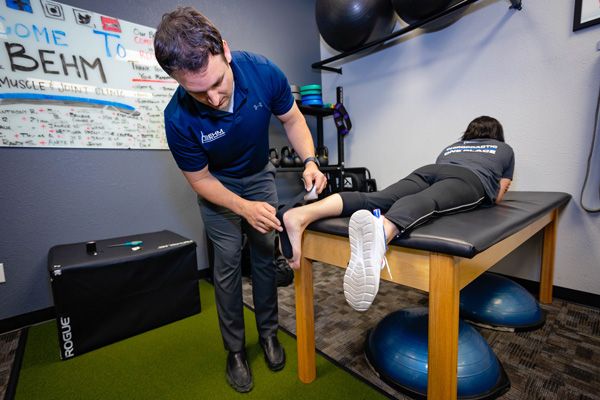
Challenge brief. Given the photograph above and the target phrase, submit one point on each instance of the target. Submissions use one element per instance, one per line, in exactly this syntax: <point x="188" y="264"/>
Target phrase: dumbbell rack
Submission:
<point x="334" y="171"/>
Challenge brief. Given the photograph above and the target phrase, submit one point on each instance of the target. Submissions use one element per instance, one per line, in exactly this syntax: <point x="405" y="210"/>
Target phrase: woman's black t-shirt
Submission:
<point x="489" y="159"/>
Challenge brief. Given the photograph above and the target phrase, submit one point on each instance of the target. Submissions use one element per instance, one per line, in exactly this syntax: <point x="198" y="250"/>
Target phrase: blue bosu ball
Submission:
<point x="495" y="301"/>
<point x="397" y="350"/>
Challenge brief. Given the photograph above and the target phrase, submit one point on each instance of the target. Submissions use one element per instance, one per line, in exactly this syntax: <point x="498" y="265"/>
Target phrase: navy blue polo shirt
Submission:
<point x="233" y="144"/>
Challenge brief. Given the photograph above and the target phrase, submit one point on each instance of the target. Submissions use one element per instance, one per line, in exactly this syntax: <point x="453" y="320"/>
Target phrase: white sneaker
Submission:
<point x="367" y="259"/>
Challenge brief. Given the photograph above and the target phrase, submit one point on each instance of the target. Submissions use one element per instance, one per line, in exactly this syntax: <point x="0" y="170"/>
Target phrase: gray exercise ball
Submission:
<point x="412" y="11"/>
<point x="348" y="24"/>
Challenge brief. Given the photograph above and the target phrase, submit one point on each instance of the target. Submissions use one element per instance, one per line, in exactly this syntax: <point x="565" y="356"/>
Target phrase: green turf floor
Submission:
<point x="183" y="360"/>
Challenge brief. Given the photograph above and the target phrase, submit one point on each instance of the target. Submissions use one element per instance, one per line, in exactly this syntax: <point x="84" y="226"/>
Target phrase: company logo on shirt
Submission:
<point x="257" y="106"/>
<point x="210" y="137"/>
<point x="483" y="148"/>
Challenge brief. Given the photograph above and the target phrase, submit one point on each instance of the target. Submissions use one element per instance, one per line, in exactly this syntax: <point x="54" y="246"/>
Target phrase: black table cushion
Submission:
<point x="469" y="233"/>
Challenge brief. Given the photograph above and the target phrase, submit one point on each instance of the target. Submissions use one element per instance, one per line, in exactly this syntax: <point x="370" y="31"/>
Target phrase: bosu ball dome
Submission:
<point x="397" y="351"/>
<point x="496" y="302"/>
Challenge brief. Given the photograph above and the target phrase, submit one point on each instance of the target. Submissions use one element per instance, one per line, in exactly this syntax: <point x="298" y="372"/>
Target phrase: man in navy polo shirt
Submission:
<point x="217" y="129"/>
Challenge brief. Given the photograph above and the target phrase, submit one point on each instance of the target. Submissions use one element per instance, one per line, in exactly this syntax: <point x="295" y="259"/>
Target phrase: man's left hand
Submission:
<point x="312" y="176"/>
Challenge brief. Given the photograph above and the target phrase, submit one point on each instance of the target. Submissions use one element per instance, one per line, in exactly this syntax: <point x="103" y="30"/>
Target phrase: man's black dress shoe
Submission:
<point x="274" y="353"/>
<point x="239" y="376"/>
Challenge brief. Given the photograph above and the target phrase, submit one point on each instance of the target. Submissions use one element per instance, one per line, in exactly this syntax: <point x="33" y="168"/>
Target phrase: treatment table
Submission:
<point x="440" y="257"/>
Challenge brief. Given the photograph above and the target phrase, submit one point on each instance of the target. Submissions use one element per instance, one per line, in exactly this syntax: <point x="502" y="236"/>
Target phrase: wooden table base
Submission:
<point x="439" y="274"/>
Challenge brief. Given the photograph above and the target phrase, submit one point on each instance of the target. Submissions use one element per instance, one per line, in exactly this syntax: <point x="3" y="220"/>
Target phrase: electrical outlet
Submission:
<point x="2" y="276"/>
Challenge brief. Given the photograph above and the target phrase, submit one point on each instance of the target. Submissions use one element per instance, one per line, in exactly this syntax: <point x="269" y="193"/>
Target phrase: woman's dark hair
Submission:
<point x="484" y="127"/>
<point x="184" y="40"/>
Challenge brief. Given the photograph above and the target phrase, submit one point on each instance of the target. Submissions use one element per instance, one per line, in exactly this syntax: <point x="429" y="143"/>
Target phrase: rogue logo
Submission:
<point x="212" y="136"/>
<point x="67" y="337"/>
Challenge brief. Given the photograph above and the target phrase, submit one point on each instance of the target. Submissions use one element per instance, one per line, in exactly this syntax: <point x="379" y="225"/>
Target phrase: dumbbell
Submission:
<point x="274" y="157"/>
<point x="323" y="156"/>
<point x="297" y="160"/>
<point x="286" y="159"/>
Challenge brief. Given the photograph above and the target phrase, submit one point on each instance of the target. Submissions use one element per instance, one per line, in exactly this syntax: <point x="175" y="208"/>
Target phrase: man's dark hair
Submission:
<point x="484" y="127"/>
<point x="184" y="40"/>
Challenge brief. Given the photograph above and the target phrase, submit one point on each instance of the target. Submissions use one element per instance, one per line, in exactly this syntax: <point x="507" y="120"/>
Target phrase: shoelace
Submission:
<point x="385" y="261"/>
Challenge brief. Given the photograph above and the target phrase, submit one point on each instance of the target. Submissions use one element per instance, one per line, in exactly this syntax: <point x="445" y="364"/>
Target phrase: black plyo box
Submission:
<point x="120" y="292"/>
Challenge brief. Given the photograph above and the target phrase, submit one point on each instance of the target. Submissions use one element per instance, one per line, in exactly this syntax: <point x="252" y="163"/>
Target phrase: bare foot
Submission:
<point x="294" y="226"/>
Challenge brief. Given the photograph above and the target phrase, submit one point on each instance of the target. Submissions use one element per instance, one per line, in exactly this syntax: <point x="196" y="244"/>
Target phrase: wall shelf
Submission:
<point x="322" y="65"/>
<point x="316" y="111"/>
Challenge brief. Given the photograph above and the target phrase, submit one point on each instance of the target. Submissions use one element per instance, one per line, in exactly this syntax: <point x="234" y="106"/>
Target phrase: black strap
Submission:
<point x="298" y="199"/>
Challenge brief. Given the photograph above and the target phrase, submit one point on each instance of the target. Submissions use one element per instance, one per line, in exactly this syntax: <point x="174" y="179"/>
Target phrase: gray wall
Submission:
<point x="528" y="69"/>
<point x="55" y="196"/>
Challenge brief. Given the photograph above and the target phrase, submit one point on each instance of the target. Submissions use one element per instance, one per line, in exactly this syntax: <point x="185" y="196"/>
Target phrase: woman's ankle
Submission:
<point x="391" y="230"/>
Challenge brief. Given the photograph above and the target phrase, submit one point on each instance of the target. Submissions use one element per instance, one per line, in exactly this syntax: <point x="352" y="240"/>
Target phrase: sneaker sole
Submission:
<point x="361" y="279"/>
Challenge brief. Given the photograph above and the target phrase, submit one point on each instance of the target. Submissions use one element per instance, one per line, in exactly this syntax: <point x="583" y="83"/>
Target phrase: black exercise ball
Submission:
<point x="348" y="24"/>
<point x="412" y="11"/>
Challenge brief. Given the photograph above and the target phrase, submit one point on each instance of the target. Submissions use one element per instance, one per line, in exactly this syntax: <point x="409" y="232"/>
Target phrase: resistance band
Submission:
<point x="341" y="119"/>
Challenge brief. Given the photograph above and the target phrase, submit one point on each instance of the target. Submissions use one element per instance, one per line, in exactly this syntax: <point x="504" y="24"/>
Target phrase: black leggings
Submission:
<point x="429" y="191"/>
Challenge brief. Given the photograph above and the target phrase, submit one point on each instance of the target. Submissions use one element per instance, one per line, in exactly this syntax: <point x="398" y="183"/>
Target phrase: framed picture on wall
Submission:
<point x="587" y="13"/>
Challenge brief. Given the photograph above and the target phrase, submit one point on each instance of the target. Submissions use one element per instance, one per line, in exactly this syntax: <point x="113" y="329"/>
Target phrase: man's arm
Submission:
<point x="504" y="185"/>
<point x="259" y="214"/>
<point x="299" y="136"/>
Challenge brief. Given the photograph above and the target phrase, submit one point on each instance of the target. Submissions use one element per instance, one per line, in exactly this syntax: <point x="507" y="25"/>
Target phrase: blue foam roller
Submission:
<point x="314" y="86"/>
<point x="397" y="350"/>
<point x="312" y="97"/>
<point x="495" y="301"/>
<point x="312" y="102"/>
<point x="311" y="91"/>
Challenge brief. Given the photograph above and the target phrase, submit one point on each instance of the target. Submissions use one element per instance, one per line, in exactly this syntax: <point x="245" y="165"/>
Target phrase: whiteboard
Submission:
<point x="72" y="78"/>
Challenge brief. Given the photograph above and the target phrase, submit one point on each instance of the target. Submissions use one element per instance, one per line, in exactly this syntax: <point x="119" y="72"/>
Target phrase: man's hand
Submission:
<point x="261" y="216"/>
<point x="312" y="176"/>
